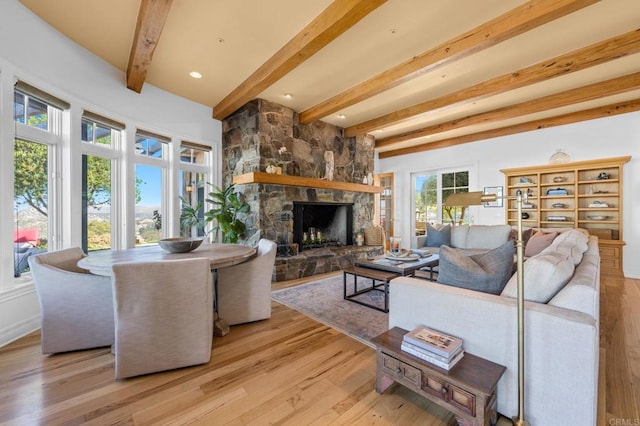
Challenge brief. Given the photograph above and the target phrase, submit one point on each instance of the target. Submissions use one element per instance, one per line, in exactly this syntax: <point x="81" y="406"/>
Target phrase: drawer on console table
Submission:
<point x="401" y="371"/>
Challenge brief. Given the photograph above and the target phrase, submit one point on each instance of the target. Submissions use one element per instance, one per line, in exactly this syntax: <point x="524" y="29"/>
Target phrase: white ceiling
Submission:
<point x="226" y="41"/>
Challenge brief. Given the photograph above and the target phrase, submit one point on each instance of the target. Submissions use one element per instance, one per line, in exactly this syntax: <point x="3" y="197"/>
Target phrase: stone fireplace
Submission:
<point x="263" y="135"/>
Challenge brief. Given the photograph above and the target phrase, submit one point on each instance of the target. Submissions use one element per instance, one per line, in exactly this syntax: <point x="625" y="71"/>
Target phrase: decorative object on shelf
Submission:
<point x="329" y="165"/>
<point x="528" y="206"/>
<point x="494" y="190"/>
<point x="471" y="198"/>
<point x="370" y="178"/>
<point x="558" y="205"/>
<point x="603" y="176"/>
<point x="525" y="215"/>
<point x="598" y="204"/>
<point x="597" y="217"/>
<point x="525" y="181"/>
<point x="271" y="169"/>
<point x="555" y="218"/>
<point x="559" y="157"/>
<point x="557" y="191"/>
<point x="180" y="244"/>
<point x="558" y="179"/>
<point x="365" y="180"/>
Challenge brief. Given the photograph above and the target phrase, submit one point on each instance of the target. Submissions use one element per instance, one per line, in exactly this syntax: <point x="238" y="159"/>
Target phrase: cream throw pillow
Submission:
<point x="544" y="276"/>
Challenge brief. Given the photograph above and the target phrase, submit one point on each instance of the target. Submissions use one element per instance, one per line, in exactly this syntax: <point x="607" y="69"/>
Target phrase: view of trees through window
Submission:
<point x="430" y="190"/>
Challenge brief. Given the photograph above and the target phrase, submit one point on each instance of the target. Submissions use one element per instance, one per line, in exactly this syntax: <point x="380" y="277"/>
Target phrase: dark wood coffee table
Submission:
<point x="468" y="390"/>
<point x="400" y="267"/>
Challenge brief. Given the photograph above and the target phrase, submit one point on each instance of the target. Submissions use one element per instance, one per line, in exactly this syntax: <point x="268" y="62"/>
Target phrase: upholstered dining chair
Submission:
<point x="76" y="307"/>
<point x="244" y="290"/>
<point x="163" y="315"/>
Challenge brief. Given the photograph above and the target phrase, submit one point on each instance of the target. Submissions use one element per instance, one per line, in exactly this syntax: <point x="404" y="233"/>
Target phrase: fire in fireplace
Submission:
<point x="323" y="224"/>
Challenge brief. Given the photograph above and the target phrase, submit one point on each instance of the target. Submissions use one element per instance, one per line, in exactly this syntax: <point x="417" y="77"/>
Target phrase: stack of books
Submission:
<point x="433" y="346"/>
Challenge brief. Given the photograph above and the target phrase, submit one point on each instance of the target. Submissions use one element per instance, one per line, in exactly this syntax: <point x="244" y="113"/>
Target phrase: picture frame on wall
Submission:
<point x="498" y="190"/>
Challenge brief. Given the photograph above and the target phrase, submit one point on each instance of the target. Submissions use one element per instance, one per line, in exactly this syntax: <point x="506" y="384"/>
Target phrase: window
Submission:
<point x="101" y="138"/>
<point x="151" y="176"/>
<point x="35" y="149"/>
<point x="195" y="160"/>
<point x="430" y="190"/>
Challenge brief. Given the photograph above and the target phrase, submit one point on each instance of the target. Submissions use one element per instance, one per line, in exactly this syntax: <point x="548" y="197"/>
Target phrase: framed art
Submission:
<point x="498" y="190"/>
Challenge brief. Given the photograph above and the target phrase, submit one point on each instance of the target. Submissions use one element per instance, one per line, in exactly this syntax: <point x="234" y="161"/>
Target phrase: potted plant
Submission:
<point x="227" y="205"/>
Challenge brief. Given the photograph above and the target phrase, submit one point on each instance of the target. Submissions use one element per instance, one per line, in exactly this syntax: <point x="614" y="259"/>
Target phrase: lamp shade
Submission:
<point x="469" y="199"/>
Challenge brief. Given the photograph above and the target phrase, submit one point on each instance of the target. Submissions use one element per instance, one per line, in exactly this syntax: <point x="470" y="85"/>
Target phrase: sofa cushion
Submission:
<point x="459" y="236"/>
<point x="538" y="242"/>
<point x="487" y="236"/>
<point x="487" y="272"/>
<point x="573" y="243"/>
<point x="544" y="275"/>
<point x="438" y="236"/>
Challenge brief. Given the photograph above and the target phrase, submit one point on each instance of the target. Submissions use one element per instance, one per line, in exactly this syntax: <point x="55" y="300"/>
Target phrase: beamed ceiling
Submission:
<point x="416" y="74"/>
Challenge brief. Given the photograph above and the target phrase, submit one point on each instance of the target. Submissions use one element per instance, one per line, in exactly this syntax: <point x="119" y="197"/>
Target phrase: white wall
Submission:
<point x="601" y="138"/>
<point x="30" y="50"/>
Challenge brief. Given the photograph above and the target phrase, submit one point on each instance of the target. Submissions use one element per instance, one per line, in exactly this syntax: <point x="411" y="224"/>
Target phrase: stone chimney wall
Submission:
<point x="263" y="134"/>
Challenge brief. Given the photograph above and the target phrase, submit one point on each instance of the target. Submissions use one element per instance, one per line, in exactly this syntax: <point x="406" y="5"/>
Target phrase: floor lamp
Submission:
<point x="476" y="198"/>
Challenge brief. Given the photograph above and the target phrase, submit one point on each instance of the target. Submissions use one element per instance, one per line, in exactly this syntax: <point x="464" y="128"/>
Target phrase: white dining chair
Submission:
<point x="244" y="290"/>
<point x="163" y="315"/>
<point x="76" y="307"/>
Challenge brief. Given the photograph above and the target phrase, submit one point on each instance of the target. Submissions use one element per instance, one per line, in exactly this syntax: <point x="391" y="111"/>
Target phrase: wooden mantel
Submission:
<point x="275" y="179"/>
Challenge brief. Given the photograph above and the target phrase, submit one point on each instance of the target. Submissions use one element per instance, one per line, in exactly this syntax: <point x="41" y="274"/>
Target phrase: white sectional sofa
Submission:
<point x="562" y="335"/>
<point x="472" y="238"/>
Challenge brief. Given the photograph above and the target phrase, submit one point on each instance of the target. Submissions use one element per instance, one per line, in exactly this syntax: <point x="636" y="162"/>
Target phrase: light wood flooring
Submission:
<point x="287" y="370"/>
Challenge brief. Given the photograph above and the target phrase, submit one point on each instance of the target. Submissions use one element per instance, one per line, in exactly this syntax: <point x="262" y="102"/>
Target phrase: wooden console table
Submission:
<point x="468" y="390"/>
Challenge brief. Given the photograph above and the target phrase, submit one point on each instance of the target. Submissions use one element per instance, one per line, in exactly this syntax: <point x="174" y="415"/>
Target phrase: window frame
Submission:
<point x="469" y="168"/>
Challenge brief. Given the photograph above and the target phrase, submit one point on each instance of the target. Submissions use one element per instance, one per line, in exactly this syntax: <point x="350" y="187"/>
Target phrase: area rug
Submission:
<point x="323" y="301"/>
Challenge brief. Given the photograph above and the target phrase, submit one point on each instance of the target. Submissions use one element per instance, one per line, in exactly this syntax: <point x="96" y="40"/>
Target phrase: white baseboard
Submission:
<point x="19" y="329"/>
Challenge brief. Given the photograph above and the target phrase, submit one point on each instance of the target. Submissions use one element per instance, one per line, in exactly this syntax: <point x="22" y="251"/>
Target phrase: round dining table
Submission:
<point x="219" y="255"/>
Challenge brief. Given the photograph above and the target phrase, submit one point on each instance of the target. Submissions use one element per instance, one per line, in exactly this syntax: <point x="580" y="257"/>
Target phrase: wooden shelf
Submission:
<point x="287" y="180"/>
<point x="581" y="182"/>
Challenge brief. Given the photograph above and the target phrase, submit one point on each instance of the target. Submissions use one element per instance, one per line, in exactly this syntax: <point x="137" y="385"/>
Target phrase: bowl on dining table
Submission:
<point x="180" y="244"/>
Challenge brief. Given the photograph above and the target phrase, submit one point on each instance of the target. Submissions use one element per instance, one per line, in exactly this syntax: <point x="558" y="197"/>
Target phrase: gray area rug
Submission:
<point x="322" y="300"/>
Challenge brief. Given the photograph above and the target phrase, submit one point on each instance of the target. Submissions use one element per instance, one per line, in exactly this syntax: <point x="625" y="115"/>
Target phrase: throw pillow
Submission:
<point x="544" y="276"/>
<point x="487" y="272"/>
<point x="538" y="242"/>
<point x="526" y="235"/>
<point x="438" y="237"/>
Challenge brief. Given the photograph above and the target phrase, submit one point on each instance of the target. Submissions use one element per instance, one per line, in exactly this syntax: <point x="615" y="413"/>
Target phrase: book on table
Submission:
<point x="426" y="356"/>
<point x="434" y="341"/>
<point x="428" y="353"/>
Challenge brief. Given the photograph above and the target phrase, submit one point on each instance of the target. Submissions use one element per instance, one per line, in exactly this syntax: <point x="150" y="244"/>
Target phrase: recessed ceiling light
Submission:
<point x="342" y="116"/>
<point x="195" y="74"/>
<point x="220" y="40"/>
<point x="393" y="30"/>
<point x="288" y="95"/>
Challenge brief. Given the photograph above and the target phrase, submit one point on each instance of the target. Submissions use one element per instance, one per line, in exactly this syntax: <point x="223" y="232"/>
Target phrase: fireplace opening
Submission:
<point x="317" y="224"/>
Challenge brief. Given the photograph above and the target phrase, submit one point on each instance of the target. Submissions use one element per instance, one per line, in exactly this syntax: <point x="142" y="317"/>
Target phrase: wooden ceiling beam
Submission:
<point x="557" y="100"/>
<point x="573" y="117"/>
<point x="337" y="18"/>
<point x="515" y="22"/>
<point x="596" y="54"/>
<point x="152" y="16"/>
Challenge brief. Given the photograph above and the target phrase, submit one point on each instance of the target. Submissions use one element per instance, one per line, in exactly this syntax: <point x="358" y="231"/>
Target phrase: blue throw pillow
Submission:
<point x="488" y="272"/>
<point x="438" y="237"/>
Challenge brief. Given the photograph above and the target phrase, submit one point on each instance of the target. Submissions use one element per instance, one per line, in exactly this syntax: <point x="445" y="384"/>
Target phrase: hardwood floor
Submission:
<point x="287" y="370"/>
